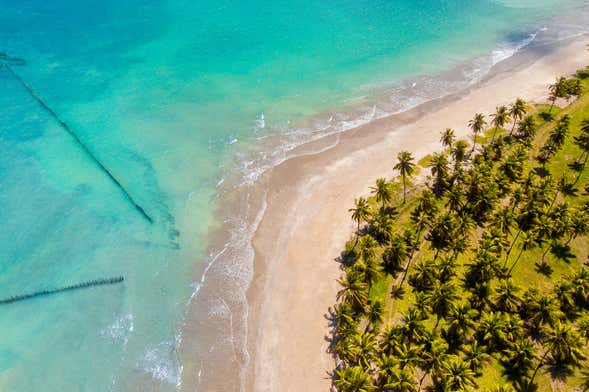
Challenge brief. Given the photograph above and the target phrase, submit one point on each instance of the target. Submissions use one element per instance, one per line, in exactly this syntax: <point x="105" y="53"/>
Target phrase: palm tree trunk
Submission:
<point x="405" y="273"/>
<point x="404" y="190"/>
<point x="552" y="202"/>
<point x="545" y="252"/>
<point x="511" y="247"/>
<point x="513" y="128"/>
<point x="571" y="237"/>
<point x="582" y="169"/>
<point x="515" y="262"/>
<point x="540" y="364"/>
<point x="357" y="236"/>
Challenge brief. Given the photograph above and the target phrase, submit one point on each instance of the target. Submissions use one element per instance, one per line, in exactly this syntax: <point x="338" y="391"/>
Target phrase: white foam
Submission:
<point x="162" y="364"/>
<point x="120" y="329"/>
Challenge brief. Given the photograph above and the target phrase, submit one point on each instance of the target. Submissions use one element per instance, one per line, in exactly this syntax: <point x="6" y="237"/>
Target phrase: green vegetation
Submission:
<point x="478" y="279"/>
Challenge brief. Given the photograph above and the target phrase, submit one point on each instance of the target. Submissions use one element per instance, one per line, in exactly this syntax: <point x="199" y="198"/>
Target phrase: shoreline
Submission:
<point x="301" y="234"/>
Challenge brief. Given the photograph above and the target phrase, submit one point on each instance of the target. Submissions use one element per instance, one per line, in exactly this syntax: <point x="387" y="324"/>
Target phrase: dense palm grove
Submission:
<point x="478" y="279"/>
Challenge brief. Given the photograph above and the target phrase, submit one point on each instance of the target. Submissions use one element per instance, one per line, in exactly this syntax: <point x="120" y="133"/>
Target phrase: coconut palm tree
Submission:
<point x="375" y="314"/>
<point x="476" y="356"/>
<point x="564" y="345"/>
<point x="400" y="380"/>
<point x="360" y="212"/>
<point x="353" y="379"/>
<point x="394" y="254"/>
<point x="442" y="299"/>
<point x="519" y="358"/>
<point x="517" y="111"/>
<point x="434" y="356"/>
<point x="499" y="119"/>
<point x="460" y="320"/>
<point x="457" y="375"/>
<point x="448" y="138"/>
<point x="506" y="298"/>
<point x="406" y="168"/>
<point x="439" y="168"/>
<point x="558" y="89"/>
<point x="557" y="136"/>
<point x="382" y="192"/>
<point x="491" y="330"/>
<point x="459" y="153"/>
<point x="354" y="289"/>
<point x="527" y="128"/>
<point x="477" y="125"/>
<point x="540" y="309"/>
<point x="364" y="345"/>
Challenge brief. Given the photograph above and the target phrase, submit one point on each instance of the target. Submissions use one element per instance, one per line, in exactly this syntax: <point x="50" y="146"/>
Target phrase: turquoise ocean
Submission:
<point x="184" y="102"/>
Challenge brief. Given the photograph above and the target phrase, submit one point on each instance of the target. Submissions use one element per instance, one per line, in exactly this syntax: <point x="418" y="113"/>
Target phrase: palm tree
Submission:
<point x="412" y="327"/>
<point x="476" y="125"/>
<point x="506" y="298"/>
<point x="354" y="289"/>
<point x="517" y="111"/>
<point x="406" y="168"/>
<point x="564" y="345"/>
<point x="459" y="153"/>
<point x="364" y="344"/>
<point x="540" y="309"/>
<point x="461" y="319"/>
<point x="382" y="192"/>
<point x="558" y="90"/>
<point x="399" y="380"/>
<point x="500" y="118"/>
<point x="476" y="356"/>
<point x="558" y="134"/>
<point x="434" y="355"/>
<point x="375" y="314"/>
<point x="360" y="212"/>
<point x="457" y="376"/>
<point x="527" y="127"/>
<point x="519" y="358"/>
<point x="439" y="168"/>
<point x="394" y="255"/>
<point x="442" y="299"/>
<point x="491" y="330"/>
<point x="353" y="379"/>
<point x="448" y="137"/>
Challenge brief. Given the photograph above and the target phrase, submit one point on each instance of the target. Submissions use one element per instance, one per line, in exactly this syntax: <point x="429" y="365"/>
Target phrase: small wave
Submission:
<point x="261" y="121"/>
<point x="162" y="364"/>
<point x="120" y="329"/>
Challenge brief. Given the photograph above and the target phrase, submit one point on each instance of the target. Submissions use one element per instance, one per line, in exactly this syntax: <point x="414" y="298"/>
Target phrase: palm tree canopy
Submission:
<point x="405" y="164"/>
<point x="477" y="123"/>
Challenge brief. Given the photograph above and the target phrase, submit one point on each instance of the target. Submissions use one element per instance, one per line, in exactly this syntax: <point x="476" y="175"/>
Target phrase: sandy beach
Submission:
<point x="307" y="221"/>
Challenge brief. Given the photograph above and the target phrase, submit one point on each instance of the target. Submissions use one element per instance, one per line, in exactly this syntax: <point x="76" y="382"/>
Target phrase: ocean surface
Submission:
<point x="182" y="101"/>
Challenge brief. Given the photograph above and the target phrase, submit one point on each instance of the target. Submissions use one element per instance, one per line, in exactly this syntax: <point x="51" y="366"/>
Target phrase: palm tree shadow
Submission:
<point x="541" y="171"/>
<point x="345" y="259"/>
<point x="330" y="338"/>
<point x="562" y="252"/>
<point x="398" y="292"/>
<point x="543" y="268"/>
<point x="559" y="372"/>
<point x="576" y="166"/>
